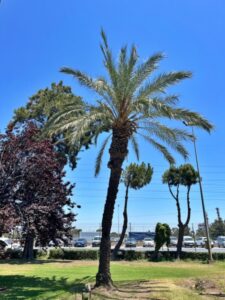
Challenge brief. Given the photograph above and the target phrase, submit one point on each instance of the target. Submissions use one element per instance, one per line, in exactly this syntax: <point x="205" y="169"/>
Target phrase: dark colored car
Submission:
<point x="80" y="243"/>
<point x="130" y="242"/>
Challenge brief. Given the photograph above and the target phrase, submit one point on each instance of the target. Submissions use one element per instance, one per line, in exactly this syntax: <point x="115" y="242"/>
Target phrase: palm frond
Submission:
<point x="132" y="60"/>
<point x="161" y="82"/>
<point x="146" y="69"/>
<point x="168" y="156"/>
<point x="99" y="156"/>
<point x="169" y="99"/>
<point x="163" y="110"/>
<point x="176" y="134"/>
<point x="109" y="62"/>
<point x="169" y="136"/>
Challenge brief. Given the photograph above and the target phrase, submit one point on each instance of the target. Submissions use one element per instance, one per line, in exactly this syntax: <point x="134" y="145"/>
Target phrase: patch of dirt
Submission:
<point x="142" y="290"/>
<point x="208" y="288"/>
<point x="204" y="287"/>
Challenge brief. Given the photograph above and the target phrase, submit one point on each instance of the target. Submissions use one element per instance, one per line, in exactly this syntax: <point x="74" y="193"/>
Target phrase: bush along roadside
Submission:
<point x="72" y="254"/>
<point x="93" y="254"/>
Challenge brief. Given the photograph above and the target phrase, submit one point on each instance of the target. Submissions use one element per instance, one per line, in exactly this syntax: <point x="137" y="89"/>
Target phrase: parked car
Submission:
<point x="96" y="241"/>
<point x="80" y="243"/>
<point x="173" y="241"/>
<point x="3" y="245"/>
<point x="148" y="242"/>
<point x="114" y="239"/>
<point x="6" y="243"/>
<point x="57" y="243"/>
<point x="130" y="242"/>
<point x="202" y="242"/>
<point x="221" y="241"/>
<point x="188" y="241"/>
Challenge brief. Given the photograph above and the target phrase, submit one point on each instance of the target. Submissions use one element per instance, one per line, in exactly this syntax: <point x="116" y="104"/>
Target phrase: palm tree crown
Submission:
<point x="129" y="101"/>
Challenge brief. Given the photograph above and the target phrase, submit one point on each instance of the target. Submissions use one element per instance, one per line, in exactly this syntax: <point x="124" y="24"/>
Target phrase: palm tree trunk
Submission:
<point x="125" y="222"/>
<point x="118" y="151"/>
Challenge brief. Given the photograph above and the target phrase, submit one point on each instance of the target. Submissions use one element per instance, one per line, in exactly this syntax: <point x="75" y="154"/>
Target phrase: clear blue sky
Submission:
<point x="38" y="37"/>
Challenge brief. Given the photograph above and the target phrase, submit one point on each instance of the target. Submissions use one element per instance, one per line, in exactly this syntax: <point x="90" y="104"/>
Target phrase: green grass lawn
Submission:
<point x="62" y="279"/>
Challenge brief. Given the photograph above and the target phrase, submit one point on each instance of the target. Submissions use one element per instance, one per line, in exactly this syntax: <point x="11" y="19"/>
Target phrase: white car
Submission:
<point x="148" y="242"/>
<point x="173" y="241"/>
<point x="188" y="241"/>
<point x="6" y="243"/>
<point x="96" y="241"/>
<point x="221" y="241"/>
<point x="201" y="242"/>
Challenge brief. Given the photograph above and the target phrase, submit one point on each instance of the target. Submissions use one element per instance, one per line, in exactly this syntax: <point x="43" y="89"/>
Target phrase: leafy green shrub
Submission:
<point x="171" y="255"/>
<point x="119" y="255"/>
<point x="40" y="253"/>
<point x="134" y="255"/>
<point x="73" y="254"/>
<point x="56" y="253"/>
<point x="13" y="253"/>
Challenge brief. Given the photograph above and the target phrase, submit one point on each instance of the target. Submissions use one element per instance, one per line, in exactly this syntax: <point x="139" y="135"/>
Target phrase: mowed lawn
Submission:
<point x="63" y="279"/>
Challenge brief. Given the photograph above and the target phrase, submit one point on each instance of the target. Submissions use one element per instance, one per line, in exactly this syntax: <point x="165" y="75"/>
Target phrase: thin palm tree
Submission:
<point x="130" y="104"/>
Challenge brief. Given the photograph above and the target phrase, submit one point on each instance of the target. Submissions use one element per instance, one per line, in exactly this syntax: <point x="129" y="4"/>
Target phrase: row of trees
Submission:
<point x="137" y="176"/>
<point x="131" y="104"/>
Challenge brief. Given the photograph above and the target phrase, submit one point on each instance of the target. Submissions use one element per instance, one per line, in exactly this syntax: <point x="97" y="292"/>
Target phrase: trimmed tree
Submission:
<point x="162" y="236"/>
<point x="135" y="177"/>
<point x="186" y="176"/>
<point x="130" y="104"/>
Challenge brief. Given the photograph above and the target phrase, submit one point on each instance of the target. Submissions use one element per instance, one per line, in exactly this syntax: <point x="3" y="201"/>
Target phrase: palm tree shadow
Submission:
<point x="26" y="287"/>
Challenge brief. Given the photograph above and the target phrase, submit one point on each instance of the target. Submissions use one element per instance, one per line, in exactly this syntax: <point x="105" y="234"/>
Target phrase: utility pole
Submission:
<point x="118" y="219"/>
<point x="193" y="231"/>
<point x="218" y="214"/>
<point x="210" y="258"/>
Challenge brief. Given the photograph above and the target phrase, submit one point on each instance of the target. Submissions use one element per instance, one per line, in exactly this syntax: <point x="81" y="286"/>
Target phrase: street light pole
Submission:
<point x="210" y="258"/>
<point x="118" y="219"/>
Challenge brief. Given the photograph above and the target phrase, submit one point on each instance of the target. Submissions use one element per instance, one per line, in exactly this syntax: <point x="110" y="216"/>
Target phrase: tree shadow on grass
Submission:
<point x="33" y="261"/>
<point x="31" y="287"/>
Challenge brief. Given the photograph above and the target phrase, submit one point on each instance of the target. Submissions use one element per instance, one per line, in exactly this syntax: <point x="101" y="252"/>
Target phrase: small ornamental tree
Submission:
<point x="186" y="176"/>
<point x="34" y="188"/>
<point x="162" y="236"/>
<point x="135" y="177"/>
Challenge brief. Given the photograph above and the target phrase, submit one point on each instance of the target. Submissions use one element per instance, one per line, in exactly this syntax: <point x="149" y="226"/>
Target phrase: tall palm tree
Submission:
<point x="130" y="104"/>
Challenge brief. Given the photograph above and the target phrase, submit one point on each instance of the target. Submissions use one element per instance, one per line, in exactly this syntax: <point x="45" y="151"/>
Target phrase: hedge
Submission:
<point x="73" y="254"/>
<point x="17" y="253"/>
<point x="165" y="255"/>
